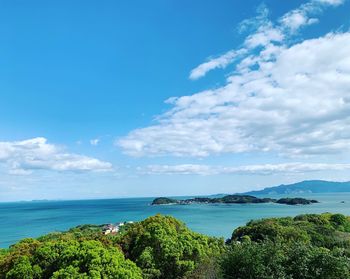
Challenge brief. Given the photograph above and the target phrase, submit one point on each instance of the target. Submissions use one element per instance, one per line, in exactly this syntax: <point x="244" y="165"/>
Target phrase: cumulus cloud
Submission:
<point x="264" y="169"/>
<point x="287" y="100"/>
<point x="264" y="32"/>
<point x="22" y="157"/>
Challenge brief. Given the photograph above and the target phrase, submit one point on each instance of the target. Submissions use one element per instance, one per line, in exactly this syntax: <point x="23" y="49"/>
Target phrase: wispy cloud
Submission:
<point x="252" y="24"/>
<point x="23" y="157"/>
<point x="94" y="142"/>
<point x="265" y="32"/>
<point x="214" y="63"/>
<point x="264" y="169"/>
<point x="286" y="99"/>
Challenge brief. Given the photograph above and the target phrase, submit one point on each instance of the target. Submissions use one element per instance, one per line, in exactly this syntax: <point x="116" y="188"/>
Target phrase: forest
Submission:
<point x="302" y="247"/>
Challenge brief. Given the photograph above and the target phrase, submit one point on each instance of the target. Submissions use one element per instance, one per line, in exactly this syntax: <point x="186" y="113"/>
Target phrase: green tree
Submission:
<point x="251" y="260"/>
<point x="81" y="259"/>
<point x="23" y="269"/>
<point x="276" y="260"/>
<point x="163" y="247"/>
<point x="324" y="230"/>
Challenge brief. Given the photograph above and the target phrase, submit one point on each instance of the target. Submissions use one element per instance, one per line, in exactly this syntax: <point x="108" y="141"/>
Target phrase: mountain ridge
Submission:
<point x="306" y="186"/>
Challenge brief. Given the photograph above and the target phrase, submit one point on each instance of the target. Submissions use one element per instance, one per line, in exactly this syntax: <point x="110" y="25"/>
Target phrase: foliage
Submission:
<point x="324" y="230"/>
<point x="276" y="260"/>
<point x="58" y="258"/>
<point x="165" y="248"/>
<point x="307" y="246"/>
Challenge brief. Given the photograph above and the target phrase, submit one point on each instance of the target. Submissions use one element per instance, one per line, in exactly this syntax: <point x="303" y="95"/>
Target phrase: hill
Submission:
<point x="308" y="186"/>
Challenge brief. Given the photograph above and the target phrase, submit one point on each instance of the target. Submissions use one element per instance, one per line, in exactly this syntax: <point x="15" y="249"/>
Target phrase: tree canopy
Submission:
<point x="304" y="247"/>
<point x="165" y="248"/>
<point x="60" y="258"/>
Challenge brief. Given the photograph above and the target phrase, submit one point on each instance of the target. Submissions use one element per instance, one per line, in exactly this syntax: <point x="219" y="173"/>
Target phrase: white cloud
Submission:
<point x="303" y="15"/>
<point x="295" y="20"/>
<point x="178" y="169"/>
<point x="266" y="32"/>
<point x="95" y="141"/>
<point x="264" y="169"/>
<point x="22" y="157"/>
<point x="253" y="23"/>
<point x="264" y="36"/>
<point x="213" y="63"/>
<point x="288" y="100"/>
<point x="331" y="2"/>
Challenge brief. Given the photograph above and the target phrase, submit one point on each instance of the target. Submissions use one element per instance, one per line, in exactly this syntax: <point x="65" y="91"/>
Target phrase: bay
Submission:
<point x="20" y="220"/>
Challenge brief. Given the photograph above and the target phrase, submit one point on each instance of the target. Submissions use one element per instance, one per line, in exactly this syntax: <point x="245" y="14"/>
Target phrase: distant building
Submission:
<point x="114" y="228"/>
<point x="110" y="228"/>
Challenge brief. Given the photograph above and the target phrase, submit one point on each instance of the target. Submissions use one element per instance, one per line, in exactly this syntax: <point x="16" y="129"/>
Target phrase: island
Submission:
<point x="163" y="200"/>
<point x="228" y="199"/>
<point x="295" y="201"/>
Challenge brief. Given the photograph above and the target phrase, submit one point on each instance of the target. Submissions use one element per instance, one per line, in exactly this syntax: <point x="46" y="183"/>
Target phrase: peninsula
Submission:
<point x="228" y="199"/>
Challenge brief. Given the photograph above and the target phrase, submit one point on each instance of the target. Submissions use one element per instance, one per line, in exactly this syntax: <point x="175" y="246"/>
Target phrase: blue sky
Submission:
<point x="124" y="98"/>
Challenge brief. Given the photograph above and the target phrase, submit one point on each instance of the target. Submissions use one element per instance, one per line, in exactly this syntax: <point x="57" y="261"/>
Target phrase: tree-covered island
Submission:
<point x="233" y="199"/>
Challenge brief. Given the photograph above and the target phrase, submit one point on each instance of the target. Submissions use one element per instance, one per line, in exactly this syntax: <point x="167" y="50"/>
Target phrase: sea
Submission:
<point x="20" y="220"/>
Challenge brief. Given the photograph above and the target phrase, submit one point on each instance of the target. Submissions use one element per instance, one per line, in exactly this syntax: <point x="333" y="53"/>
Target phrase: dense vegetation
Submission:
<point x="233" y="199"/>
<point x="304" y="247"/>
<point x="158" y="247"/>
<point x="165" y="248"/>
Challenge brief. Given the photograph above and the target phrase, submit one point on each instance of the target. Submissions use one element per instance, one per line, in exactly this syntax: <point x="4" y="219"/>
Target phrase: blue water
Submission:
<point x="31" y="219"/>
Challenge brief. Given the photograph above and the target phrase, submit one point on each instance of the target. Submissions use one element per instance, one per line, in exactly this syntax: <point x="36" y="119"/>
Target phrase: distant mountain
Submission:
<point x="308" y="186"/>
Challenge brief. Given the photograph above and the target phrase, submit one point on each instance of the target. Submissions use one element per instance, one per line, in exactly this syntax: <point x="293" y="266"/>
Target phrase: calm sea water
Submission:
<point x="31" y="219"/>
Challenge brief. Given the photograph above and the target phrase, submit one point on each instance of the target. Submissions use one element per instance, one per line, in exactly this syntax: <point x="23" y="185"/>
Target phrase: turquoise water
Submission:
<point x="31" y="219"/>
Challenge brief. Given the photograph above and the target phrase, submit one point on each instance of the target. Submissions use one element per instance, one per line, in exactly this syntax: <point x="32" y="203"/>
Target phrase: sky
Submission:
<point x="165" y="98"/>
